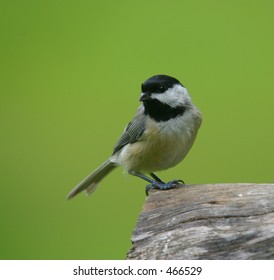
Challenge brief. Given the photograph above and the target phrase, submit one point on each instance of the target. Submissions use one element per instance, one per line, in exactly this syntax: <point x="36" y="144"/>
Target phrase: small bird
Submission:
<point x="157" y="138"/>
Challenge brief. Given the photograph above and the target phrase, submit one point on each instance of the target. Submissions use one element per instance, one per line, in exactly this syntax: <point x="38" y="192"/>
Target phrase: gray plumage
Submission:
<point x="90" y="183"/>
<point x="132" y="132"/>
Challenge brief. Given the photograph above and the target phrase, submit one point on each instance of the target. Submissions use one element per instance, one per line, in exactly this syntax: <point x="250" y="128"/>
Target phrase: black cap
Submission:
<point x="159" y="84"/>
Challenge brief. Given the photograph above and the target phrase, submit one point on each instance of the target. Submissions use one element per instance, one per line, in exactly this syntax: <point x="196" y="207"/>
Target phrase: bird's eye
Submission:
<point x="161" y="89"/>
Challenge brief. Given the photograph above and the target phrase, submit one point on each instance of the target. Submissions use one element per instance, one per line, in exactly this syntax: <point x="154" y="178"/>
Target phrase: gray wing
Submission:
<point x="133" y="131"/>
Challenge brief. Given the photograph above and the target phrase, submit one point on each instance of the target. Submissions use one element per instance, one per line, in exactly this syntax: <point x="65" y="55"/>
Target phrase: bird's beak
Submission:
<point x="145" y="96"/>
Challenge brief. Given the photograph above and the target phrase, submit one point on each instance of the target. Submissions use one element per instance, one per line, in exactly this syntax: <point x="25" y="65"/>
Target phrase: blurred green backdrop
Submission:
<point x="69" y="83"/>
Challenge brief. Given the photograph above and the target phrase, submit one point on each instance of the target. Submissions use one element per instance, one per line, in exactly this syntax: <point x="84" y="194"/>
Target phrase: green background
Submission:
<point x="70" y="76"/>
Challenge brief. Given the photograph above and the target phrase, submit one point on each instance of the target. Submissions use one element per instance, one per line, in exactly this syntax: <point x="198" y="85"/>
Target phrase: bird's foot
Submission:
<point x="163" y="186"/>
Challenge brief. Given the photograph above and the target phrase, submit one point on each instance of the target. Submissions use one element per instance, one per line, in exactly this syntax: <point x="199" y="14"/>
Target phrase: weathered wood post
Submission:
<point x="219" y="221"/>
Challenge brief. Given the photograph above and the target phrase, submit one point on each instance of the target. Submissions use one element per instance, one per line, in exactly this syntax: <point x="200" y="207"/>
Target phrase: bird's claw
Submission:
<point x="163" y="186"/>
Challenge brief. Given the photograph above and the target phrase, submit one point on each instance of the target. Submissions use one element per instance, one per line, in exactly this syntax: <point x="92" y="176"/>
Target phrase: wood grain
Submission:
<point x="219" y="221"/>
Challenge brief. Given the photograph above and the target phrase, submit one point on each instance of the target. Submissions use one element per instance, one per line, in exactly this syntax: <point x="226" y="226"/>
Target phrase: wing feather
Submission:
<point x="133" y="131"/>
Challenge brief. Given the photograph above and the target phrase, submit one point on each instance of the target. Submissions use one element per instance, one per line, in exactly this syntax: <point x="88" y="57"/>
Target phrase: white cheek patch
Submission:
<point x="174" y="97"/>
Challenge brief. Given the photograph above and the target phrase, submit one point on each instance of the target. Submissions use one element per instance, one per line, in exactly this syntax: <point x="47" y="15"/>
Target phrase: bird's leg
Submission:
<point x="157" y="183"/>
<point x="155" y="177"/>
<point x="142" y="176"/>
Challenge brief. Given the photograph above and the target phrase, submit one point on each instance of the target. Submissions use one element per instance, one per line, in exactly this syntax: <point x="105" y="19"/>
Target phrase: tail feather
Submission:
<point x="90" y="183"/>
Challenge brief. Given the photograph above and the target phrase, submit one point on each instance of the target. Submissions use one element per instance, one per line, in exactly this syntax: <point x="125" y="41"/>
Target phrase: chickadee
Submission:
<point x="158" y="137"/>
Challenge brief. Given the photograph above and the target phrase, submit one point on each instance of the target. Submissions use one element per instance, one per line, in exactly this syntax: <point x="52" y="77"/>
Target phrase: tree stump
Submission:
<point x="202" y="222"/>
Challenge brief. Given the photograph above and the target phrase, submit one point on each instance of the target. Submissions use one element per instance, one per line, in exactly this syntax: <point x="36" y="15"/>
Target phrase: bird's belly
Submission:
<point x="159" y="155"/>
<point x="157" y="150"/>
